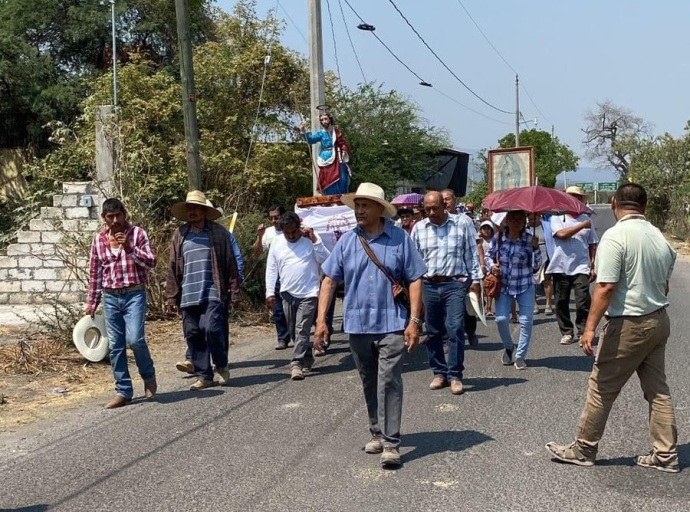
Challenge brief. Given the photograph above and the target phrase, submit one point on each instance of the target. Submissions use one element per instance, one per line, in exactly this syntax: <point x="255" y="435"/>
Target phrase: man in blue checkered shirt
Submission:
<point x="449" y="249"/>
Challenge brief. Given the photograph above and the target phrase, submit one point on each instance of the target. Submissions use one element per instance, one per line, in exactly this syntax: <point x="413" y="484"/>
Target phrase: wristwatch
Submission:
<point x="416" y="320"/>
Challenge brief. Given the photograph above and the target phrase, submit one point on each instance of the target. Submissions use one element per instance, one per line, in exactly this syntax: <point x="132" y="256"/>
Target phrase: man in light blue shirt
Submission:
<point x="448" y="246"/>
<point x="380" y="328"/>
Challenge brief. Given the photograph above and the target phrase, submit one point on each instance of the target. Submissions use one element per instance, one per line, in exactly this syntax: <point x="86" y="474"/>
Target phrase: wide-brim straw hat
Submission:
<point x="372" y="192"/>
<point x="576" y="191"/>
<point x="179" y="210"/>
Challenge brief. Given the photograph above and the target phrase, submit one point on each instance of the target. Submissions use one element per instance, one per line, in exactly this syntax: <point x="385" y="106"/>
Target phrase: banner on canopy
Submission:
<point x="329" y="222"/>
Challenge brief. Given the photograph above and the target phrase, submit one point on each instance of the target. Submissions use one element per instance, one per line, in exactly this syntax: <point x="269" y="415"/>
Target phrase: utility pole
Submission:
<point x="317" y="84"/>
<point x="114" y="34"/>
<point x="553" y="131"/>
<point x="191" y="130"/>
<point x="517" y="111"/>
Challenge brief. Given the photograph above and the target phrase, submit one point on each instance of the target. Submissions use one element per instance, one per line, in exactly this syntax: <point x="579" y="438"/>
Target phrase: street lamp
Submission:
<point x="113" y="30"/>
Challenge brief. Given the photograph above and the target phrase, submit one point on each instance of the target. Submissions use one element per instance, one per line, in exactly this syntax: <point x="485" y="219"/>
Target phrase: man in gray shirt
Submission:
<point x="633" y="272"/>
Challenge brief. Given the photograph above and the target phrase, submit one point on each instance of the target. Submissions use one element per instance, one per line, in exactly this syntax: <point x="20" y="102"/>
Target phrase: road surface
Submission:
<point x="266" y="443"/>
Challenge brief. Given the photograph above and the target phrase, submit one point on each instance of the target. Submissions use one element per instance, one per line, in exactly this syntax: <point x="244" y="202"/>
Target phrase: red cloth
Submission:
<point x="330" y="174"/>
<point x="119" y="269"/>
<point x="534" y="200"/>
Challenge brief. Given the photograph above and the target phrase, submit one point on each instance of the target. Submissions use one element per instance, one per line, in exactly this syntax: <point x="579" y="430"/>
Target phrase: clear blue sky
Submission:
<point x="569" y="56"/>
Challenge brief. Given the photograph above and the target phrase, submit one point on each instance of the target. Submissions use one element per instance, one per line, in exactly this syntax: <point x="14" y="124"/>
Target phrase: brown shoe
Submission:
<point x="150" y="387"/>
<point x="202" y="384"/>
<point x="456" y="387"/>
<point x="438" y="383"/>
<point x="117" y="401"/>
<point x="185" y="367"/>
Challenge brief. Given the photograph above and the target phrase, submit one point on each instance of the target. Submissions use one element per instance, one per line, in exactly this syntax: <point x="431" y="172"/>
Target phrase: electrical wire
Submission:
<point x="335" y="44"/>
<point x="293" y="22"/>
<point x="469" y="108"/>
<point x="486" y="38"/>
<point x="419" y="36"/>
<point x="349" y="37"/>
<point x="385" y="45"/>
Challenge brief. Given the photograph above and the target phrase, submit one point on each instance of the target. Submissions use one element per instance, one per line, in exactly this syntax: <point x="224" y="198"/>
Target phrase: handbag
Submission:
<point x="400" y="293"/>
<point x="492" y="282"/>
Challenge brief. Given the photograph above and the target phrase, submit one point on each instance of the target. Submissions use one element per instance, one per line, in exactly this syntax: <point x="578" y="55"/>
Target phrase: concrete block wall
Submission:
<point x="39" y="268"/>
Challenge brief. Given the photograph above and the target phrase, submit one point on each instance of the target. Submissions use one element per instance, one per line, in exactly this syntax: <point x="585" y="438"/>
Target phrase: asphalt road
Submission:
<point x="267" y="443"/>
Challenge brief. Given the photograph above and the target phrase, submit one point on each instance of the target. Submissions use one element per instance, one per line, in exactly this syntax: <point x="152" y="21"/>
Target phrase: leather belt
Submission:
<point x="126" y="289"/>
<point x="442" y="279"/>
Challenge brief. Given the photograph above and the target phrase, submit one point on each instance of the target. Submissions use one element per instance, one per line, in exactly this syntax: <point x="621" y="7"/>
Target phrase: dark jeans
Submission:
<point x="279" y="317"/>
<point x="204" y="329"/>
<point x="444" y="303"/>
<point x="562" y="286"/>
<point x="379" y="361"/>
<point x="188" y="354"/>
<point x="470" y="325"/>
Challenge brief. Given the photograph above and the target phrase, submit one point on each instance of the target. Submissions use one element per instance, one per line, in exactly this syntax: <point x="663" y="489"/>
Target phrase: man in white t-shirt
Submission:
<point x="264" y="238"/>
<point x="294" y="261"/>
<point x="572" y="267"/>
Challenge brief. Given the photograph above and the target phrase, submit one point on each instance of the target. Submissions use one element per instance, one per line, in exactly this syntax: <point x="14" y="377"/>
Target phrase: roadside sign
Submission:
<point x="611" y="186"/>
<point x="587" y="187"/>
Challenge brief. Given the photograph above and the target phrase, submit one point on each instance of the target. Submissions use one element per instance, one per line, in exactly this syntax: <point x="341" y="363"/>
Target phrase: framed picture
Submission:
<point x="510" y="168"/>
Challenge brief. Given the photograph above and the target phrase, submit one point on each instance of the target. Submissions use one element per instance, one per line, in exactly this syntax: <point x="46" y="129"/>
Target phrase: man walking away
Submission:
<point x="121" y="258"/>
<point x="202" y="277"/>
<point x="380" y="328"/>
<point x="448" y="246"/>
<point x="572" y="267"/>
<point x="633" y="271"/>
<point x="264" y="238"/>
<point x="295" y="258"/>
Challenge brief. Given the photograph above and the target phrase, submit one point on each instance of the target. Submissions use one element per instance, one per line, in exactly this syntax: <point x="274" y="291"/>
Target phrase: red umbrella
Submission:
<point x="534" y="200"/>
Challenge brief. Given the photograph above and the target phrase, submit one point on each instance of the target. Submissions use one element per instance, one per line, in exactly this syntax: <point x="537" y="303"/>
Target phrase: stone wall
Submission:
<point x="50" y="260"/>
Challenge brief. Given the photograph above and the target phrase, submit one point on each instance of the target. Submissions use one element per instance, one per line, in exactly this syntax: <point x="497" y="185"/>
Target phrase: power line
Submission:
<point x="469" y="108"/>
<point x="352" y="45"/>
<point x="335" y="44"/>
<point x="469" y="15"/>
<point x="293" y="22"/>
<point x="386" y="46"/>
<point x="444" y="64"/>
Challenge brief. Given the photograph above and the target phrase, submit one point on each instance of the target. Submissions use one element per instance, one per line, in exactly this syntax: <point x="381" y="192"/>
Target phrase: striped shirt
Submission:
<point x="197" y="280"/>
<point x="449" y="249"/>
<point x="517" y="260"/>
<point x="118" y="268"/>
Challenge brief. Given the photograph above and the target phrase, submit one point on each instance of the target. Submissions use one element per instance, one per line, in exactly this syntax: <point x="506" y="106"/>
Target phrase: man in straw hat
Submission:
<point x="121" y="258"/>
<point x="202" y="277"/>
<point x="572" y="267"/>
<point x="379" y="326"/>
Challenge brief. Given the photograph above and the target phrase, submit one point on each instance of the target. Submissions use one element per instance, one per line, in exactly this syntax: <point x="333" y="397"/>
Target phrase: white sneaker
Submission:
<point x="548" y="311"/>
<point x="567" y="339"/>
<point x="520" y="364"/>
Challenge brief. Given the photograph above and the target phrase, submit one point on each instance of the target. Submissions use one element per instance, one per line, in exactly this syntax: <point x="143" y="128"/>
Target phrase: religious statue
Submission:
<point x="333" y="156"/>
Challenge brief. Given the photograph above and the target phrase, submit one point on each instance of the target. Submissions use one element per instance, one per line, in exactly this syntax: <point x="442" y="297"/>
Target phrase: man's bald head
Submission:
<point x="433" y="205"/>
<point x="449" y="200"/>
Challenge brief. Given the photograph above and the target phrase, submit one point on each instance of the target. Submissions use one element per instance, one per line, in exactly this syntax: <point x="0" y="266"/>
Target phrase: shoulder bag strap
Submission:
<point x="375" y="260"/>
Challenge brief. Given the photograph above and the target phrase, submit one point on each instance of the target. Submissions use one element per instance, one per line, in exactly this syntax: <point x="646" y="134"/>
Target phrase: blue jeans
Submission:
<point x="525" y="303"/>
<point x="124" y="323"/>
<point x="279" y="317"/>
<point x="444" y="303"/>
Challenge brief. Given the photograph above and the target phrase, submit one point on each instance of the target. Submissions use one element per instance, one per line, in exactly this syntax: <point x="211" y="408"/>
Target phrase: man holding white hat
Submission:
<point x="370" y="259"/>
<point x="202" y="277"/>
<point x="572" y="267"/>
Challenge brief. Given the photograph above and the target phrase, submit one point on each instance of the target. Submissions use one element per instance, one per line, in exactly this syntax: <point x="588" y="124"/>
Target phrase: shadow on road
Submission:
<point x="486" y="347"/>
<point x="566" y="363"/>
<point x="486" y="383"/>
<point x="430" y="443"/>
<point x="178" y="396"/>
<point x="255" y="380"/>
<point x="683" y="455"/>
<point x="32" y="508"/>
<point x="273" y="364"/>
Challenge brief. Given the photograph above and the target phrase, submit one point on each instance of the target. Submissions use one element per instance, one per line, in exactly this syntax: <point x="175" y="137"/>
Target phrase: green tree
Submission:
<point x="389" y="138"/>
<point x="551" y="157"/>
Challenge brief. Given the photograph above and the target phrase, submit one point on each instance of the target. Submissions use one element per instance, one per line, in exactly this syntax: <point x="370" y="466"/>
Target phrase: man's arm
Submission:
<point x="565" y="233"/>
<point x="271" y="272"/>
<point x="601" y="299"/>
<point x="238" y="256"/>
<point x="471" y="256"/>
<point x="95" y="279"/>
<point x="142" y="252"/>
<point x="258" y="247"/>
<point x="172" y="285"/>
<point x="326" y="292"/>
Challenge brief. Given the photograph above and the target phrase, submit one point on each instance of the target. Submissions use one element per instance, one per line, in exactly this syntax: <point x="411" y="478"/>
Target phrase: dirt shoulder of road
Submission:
<point x="69" y="381"/>
<point x="682" y="247"/>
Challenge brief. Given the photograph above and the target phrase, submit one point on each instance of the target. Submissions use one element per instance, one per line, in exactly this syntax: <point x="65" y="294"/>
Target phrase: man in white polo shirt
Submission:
<point x="294" y="259"/>
<point x="572" y="267"/>
<point x="633" y="272"/>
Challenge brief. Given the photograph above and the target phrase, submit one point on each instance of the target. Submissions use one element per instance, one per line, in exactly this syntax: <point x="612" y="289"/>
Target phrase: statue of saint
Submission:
<point x="333" y="156"/>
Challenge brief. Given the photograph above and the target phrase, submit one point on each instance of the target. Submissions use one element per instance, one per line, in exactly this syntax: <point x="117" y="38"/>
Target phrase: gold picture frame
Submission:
<point x="510" y="168"/>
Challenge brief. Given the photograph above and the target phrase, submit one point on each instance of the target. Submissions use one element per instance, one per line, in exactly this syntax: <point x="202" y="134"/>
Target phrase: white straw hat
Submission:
<point x="372" y="192"/>
<point x="197" y="197"/>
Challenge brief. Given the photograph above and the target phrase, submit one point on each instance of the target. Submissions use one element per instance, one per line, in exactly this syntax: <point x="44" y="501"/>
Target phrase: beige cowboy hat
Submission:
<point x="179" y="210"/>
<point x="372" y="192"/>
<point x="576" y="191"/>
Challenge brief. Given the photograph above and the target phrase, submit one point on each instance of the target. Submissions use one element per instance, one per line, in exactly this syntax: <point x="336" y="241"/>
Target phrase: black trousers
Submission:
<point x="470" y="324"/>
<point x="562" y="286"/>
